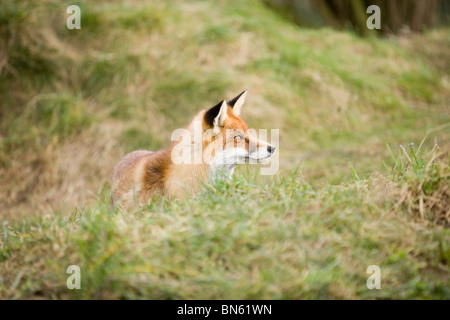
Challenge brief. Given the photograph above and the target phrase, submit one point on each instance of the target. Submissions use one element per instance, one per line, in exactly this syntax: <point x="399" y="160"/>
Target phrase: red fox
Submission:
<point x="213" y="144"/>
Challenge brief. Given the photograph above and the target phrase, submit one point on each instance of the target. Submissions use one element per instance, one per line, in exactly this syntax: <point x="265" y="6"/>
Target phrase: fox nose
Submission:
<point x="271" y="149"/>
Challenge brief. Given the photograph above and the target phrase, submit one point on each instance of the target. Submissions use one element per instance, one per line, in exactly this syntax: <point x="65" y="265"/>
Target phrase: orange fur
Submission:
<point x="142" y="174"/>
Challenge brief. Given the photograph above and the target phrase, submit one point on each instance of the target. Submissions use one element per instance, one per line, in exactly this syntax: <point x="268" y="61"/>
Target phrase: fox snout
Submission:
<point x="262" y="152"/>
<point x="259" y="150"/>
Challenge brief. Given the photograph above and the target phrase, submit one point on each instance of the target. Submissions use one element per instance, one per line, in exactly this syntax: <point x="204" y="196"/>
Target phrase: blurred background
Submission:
<point x="73" y="102"/>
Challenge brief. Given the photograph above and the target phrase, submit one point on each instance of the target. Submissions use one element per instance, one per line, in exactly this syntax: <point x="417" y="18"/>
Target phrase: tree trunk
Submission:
<point x="396" y="15"/>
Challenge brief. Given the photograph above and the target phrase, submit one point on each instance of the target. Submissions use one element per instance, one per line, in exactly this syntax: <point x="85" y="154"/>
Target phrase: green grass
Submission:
<point x="242" y="240"/>
<point x="73" y="102"/>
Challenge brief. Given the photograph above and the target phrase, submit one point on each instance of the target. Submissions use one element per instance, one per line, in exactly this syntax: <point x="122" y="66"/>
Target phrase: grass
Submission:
<point x="244" y="240"/>
<point x="73" y="102"/>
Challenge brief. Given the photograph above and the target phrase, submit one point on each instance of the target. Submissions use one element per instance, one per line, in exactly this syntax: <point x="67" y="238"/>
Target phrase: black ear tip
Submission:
<point x="212" y="113"/>
<point x="240" y="94"/>
<point x="233" y="101"/>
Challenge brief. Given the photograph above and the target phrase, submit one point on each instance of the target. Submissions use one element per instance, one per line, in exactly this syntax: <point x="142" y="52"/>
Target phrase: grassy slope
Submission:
<point x="137" y="71"/>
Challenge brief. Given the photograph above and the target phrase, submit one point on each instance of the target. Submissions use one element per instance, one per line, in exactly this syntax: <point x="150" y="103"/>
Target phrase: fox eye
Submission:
<point x="239" y="138"/>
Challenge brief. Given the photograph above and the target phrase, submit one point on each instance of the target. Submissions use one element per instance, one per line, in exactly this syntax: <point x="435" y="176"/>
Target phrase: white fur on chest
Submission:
<point x="225" y="161"/>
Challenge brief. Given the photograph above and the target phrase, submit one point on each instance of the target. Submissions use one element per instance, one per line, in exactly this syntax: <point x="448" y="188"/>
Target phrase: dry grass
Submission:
<point x="429" y="197"/>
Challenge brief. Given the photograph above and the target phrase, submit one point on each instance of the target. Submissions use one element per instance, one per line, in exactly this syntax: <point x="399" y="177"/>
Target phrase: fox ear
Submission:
<point x="237" y="102"/>
<point x="217" y="115"/>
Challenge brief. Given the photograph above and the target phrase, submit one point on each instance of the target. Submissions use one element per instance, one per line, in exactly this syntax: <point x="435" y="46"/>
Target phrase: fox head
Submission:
<point x="227" y="139"/>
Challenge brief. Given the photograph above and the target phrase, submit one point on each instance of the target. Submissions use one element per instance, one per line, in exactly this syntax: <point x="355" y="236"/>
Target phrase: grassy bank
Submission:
<point x="73" y="102"/>
<point x="247" y="240"/>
